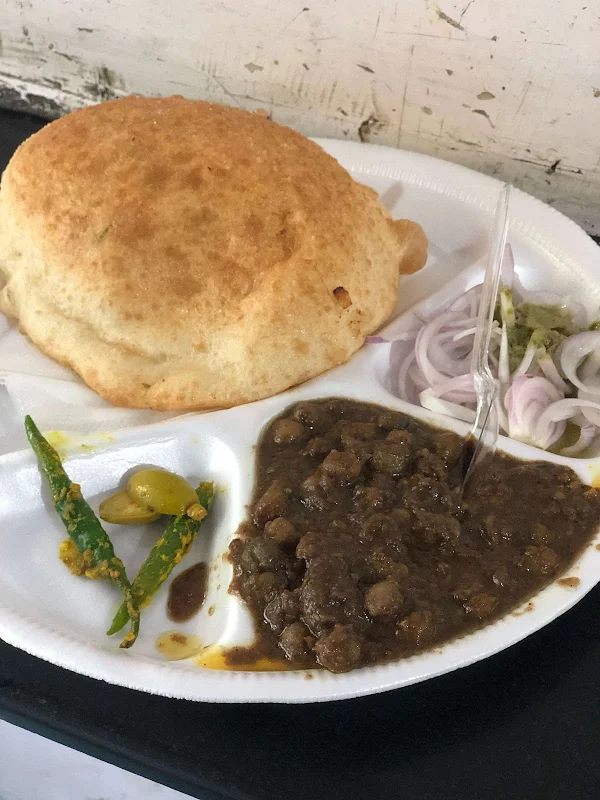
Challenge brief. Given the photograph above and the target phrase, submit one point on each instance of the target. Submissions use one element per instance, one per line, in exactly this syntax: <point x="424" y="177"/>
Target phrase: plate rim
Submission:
<point x="20" y="631"/>
<point x="205" y="685"/>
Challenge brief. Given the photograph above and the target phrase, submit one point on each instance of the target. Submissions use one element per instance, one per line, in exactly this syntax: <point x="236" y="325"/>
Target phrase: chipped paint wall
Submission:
<point x="510" y="88"/>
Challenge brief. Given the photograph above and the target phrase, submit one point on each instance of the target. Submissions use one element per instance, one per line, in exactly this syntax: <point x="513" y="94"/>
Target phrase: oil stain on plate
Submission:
<point x="176" y="646"/>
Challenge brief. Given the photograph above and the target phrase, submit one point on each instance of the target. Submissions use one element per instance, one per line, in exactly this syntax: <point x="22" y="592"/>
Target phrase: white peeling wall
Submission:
<point x="511" y="88"/>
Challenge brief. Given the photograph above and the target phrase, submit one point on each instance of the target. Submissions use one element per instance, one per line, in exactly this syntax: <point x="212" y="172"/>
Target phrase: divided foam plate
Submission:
<point x="48" y="613"/>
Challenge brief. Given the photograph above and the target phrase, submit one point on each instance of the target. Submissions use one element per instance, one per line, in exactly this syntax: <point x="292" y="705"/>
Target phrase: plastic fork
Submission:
<point x="483" y="437"/>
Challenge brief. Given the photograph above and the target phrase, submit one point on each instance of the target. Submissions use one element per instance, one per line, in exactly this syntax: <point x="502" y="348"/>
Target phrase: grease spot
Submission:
<point x="59" y="441"/>
<point x="175" y="646"/>
<point x="524" y="610"/>
<point x="485" y="96"/>
<point x="427" y="110"/>
<point x="252" y="67"/>
<point x="450" y="71"/>
<point x="569" y="583"/>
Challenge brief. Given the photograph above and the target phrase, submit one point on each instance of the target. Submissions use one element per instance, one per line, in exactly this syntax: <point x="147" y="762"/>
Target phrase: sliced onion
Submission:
<point x="462" y="334"/>
<point x="430" y="363"/>
<point x="445" y="407"/>
<point x="550" y="371"/>
<point x="495" y="332"/>
<point x="469" y="301"/>
<point x="416" y="376"/>
<point x="580" y="420"/>
<point x="507" y="270"/>
<point x="500" y="410"/>
<point x="377" y="340"/>
<point x="591" y="366"/>
<point x="573" y="352"/>
<point x="569" y="407"/>
<point x="404" y="389"/>
<point x="587" y="434"/>
<point x="503" y="365"/>
<point x="529" y="356"/>
<point x="507" y="309"/>
<point x="526" y="401"/>
<point x="557" y="413"/>
<point x="591" y="414"/>
<point x="424" y="340"/>
<point x="456" y="390"/>
<point x="449" y="357"/>
<point x="404" y="336"/>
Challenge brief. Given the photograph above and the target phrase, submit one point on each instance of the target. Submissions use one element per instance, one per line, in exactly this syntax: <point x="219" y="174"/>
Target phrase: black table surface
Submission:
<point x="522" y="725"/>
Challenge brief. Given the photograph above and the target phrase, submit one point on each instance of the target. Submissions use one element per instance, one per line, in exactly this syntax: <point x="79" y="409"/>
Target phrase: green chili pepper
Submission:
<point x="166" y="554"/>
<point x="83" y="527"/>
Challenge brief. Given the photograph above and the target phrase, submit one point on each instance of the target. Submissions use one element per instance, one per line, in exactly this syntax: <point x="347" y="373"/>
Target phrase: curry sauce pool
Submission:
<point x="358" y="548"/>
<point x="187" y="593"/>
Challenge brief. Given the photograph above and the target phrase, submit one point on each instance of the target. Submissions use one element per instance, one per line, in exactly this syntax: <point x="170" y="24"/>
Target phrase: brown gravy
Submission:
<point x="187" y="593"/>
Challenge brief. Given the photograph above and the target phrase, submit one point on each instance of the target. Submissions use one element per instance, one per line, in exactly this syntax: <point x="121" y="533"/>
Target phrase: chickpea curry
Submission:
<point x="359" y="548"/>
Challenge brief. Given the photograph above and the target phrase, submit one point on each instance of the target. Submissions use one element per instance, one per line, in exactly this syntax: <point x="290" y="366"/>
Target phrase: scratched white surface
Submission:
<point x="510" y="88"/>
<point x="34" y="768"/>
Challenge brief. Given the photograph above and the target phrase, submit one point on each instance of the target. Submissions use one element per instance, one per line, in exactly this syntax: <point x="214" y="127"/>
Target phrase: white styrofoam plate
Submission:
<point x="52" y="615"/>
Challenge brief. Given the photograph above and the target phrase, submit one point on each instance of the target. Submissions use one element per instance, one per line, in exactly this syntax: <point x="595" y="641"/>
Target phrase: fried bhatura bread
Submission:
<point x="179" y="254"/>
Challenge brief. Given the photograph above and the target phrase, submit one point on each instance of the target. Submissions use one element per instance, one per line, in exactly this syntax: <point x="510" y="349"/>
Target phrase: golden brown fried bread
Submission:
<point x="185" y="255"/>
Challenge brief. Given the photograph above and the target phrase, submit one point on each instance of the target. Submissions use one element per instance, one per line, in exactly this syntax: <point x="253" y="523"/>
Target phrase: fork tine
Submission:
<point x="484" y="433"/>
